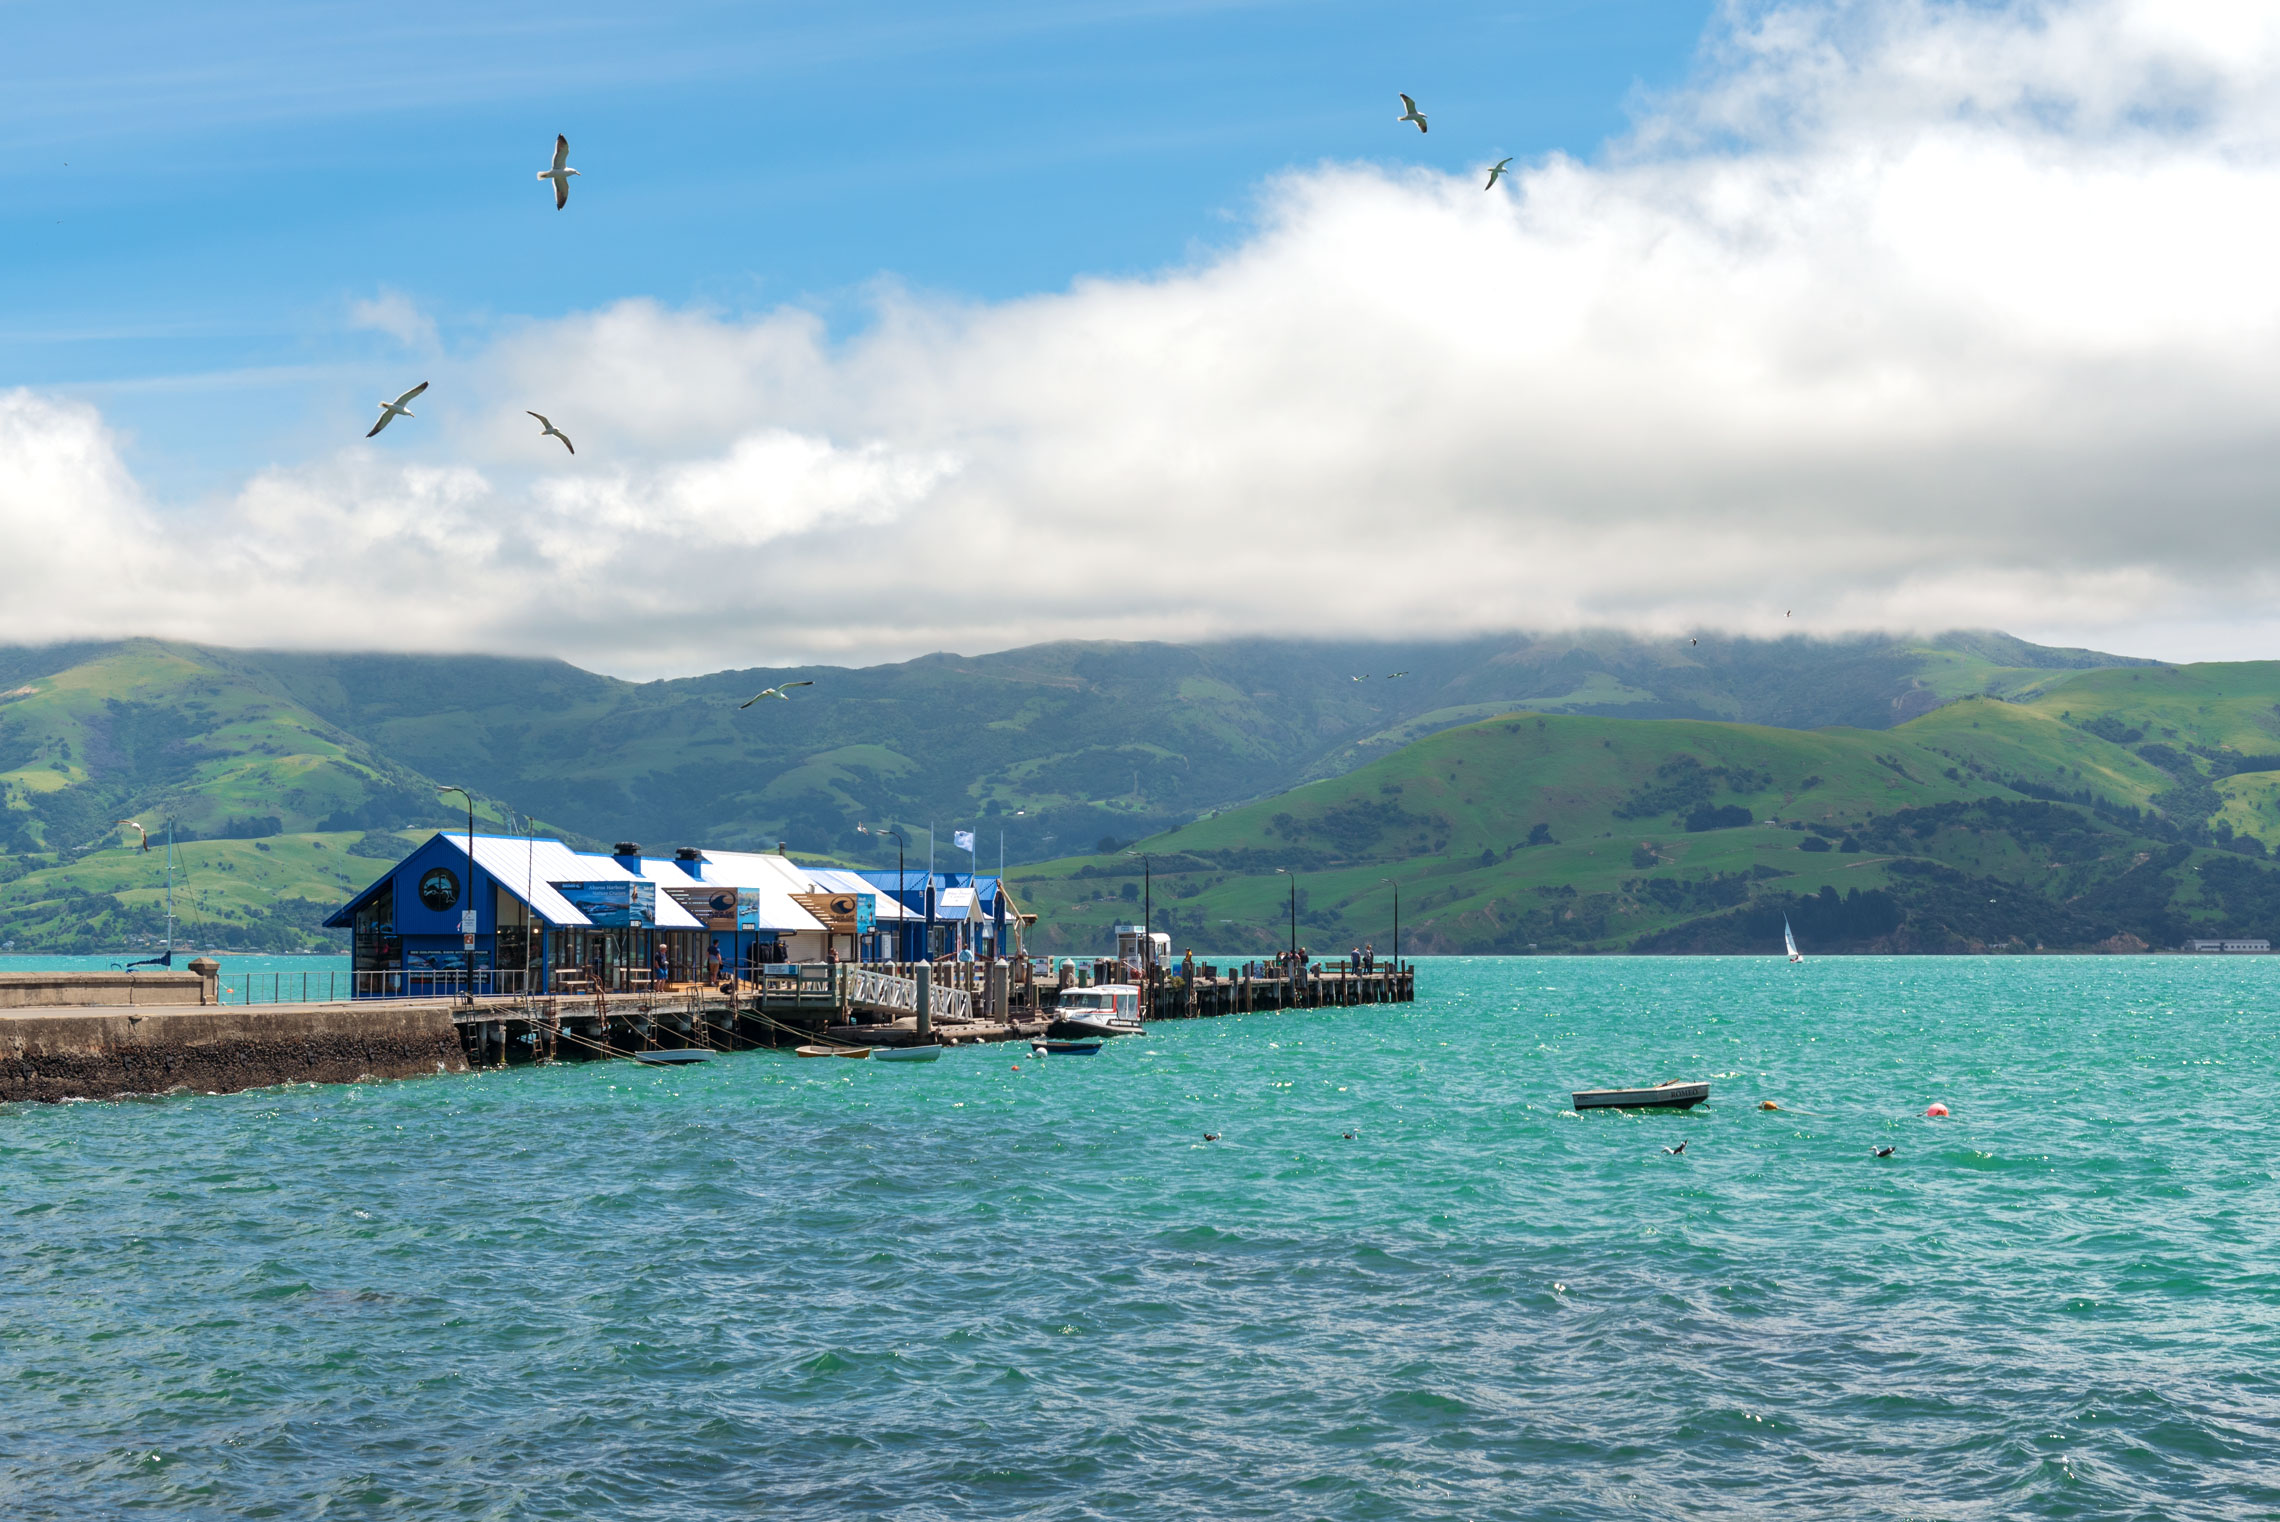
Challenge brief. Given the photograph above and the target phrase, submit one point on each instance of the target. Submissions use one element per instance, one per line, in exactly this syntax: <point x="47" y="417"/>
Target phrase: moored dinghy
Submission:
<point x="815" y="1051"/>
<point x="907" y="1053"/>
<point x="674" y="1056"/>
<point x="1675" y="1094"/>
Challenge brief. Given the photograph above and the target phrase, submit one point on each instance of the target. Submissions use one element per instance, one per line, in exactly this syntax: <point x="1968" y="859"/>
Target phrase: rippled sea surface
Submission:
<point x="775" y="1287"/>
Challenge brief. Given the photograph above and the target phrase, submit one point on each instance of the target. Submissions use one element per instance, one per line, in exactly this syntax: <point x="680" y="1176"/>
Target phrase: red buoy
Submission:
<point x="1940" y="1110"/>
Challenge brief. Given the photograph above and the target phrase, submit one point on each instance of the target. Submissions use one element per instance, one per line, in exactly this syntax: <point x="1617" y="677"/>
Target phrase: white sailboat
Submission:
<point x="1790" y="941"/>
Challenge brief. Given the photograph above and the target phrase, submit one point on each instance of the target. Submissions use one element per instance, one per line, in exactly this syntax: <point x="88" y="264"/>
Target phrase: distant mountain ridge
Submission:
<point x="1056" y="746"/>
<point x="1082" y="738"/>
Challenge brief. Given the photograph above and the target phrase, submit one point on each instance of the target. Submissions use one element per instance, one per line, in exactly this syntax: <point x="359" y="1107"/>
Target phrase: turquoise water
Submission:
<point x="246" y="978"/>
<point x="825" y="1289"/>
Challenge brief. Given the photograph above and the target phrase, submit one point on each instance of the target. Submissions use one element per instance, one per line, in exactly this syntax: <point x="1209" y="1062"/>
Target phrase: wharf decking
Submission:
<point x="874" y="1006"/>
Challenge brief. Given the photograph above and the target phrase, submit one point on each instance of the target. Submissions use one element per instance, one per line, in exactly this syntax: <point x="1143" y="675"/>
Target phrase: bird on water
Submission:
<point x="560" y="171"/>
<point x="1410" y="113"/>
<point x="1495" y="173"/>
<point x="547" y="430"/>
<point x="1884" y="1152"/>
<point x="390" y="411"/>
<point x="1211" y="1136"/>
<point x="783" y="692"/>
<point x="1674" y="1151"/>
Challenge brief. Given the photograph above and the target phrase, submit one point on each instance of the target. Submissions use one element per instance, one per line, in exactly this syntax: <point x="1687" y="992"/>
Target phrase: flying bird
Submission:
<point x="1391" y="675"/>
<point x="560" y="171"/>
<point x="784" y="692"/>
<point x="1694" y="642"/>
<point x="1674" y="1151"/>
<point x="390" y="411"/>
<point x="1410" y="113"/>
<point x="138" y="829"/>
<point x="1884" y="1152"/>
<point x="1365" y="676"/>
<point x="547" y="430"/>
<point x="1495" y="173"/>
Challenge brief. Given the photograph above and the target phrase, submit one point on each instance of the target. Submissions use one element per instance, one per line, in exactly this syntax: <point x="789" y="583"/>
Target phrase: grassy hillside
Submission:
<point x="1059" y="746"/>
<point x="2101" y="808"/>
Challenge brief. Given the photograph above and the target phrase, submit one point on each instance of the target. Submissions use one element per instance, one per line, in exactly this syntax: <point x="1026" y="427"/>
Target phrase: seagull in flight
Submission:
<point x="1410" y="113"/>
<point x="390" y="411"/>
<point x="138" y="829"/>
<point x="1496" y="173"/>
<point x="560" y="171"/>
<point x="784" y="692"/>
<point x="1365" y="676"/>
<point x="1391" y="675"/>
<point x="1674" y="1151"/>
<point x="547" y="430"/>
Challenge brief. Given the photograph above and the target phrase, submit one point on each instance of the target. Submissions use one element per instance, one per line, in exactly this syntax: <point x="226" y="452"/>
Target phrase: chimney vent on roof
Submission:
<point x="626" y="848"/>
<point x="687" y="853"/>
<point x="782" y="849"/>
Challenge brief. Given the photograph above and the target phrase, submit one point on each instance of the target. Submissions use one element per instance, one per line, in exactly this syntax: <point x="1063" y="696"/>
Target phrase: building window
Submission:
<point x="376" y="946"/>
<point x="439" y="888"/>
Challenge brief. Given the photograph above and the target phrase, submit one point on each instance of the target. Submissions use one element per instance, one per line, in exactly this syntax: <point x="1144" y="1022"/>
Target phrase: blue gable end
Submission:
<point x="434" y="866"/>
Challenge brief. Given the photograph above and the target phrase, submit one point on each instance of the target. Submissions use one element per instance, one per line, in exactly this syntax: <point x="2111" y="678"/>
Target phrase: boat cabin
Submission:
<point x="1103" y="998"/>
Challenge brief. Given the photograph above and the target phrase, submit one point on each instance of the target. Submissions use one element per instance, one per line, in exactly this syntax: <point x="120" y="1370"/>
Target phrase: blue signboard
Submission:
<point x="720" y="907"/>
<point x="866" y="913"/>
<point x="614" y="905"/>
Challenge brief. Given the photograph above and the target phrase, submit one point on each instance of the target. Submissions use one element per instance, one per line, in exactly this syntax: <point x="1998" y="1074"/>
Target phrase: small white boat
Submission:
<point x="1673" y="1094"/>
<point x="815" y="1051"/>
<point x="906" y="1053"/>
<point x="1108" y="1009"/>
<point x="1790" y="941"/>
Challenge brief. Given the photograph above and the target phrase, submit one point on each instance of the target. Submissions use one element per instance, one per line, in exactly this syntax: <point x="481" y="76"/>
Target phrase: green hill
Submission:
<point x="2098" y="808"/>
<point x="1057" y="746"/>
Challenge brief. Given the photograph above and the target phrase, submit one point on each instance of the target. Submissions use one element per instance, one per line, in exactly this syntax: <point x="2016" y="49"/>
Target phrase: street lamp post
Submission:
<point x="1396" y="921"/>
<point x="902" y="940"/>
<point x="467" y="938"/>
<point x="1285" y="871"/>
<point x="1147" y="911"/>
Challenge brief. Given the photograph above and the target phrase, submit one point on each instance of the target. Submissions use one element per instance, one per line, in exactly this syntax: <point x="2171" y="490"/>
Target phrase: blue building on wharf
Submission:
<point x="522" y="914"/>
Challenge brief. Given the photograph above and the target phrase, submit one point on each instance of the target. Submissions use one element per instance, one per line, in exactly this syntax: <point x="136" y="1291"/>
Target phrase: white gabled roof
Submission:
<point x="669" y="874"/>
<point x="772" y="877"/>
<point x="530" y="868"/>
<point x="840" y="880"/>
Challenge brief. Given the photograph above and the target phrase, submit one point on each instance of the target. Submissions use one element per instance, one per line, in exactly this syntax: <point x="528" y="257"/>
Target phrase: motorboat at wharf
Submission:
<point x="1105" y="1009"/>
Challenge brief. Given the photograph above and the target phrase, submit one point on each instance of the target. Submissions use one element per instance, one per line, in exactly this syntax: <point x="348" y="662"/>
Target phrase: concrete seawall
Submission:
<point x="54" y="1054"/>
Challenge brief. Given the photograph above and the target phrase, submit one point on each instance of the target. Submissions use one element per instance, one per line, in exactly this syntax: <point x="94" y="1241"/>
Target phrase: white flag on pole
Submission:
<point x="963" y="840"/>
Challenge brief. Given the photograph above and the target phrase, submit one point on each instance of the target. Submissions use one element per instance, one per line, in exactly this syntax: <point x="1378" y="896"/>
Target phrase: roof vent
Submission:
<point x="626" y="848"/>
<point x="687" y="853"/>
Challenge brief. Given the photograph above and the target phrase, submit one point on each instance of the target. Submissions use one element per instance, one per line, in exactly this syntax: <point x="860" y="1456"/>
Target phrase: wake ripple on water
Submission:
<point x="974" y="1291"/>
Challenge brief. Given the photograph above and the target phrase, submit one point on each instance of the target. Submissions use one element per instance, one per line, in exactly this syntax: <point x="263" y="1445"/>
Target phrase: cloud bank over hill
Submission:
<point x="1903" y="316"/>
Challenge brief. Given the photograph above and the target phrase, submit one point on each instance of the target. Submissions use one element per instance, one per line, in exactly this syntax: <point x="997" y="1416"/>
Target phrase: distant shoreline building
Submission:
<point x="2223" y="945"/>
<point x="533" y="916"/>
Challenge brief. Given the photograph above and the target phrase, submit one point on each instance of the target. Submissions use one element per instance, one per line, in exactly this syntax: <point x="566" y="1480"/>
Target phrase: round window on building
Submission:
<point x="439" y="889"/>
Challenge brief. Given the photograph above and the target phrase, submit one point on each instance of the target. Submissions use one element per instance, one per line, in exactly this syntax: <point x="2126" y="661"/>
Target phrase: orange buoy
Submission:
<point x="1938" y="1110"/>
<point x="1767" y="1104"/>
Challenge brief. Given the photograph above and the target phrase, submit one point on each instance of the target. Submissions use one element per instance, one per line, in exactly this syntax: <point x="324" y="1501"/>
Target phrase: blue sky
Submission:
<point x="887" y="329"/>
<point x="241" y="175"/>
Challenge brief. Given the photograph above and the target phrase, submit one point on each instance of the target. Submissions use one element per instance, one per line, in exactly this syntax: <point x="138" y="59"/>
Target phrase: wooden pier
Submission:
<point x="876" y="1005"/>
<point x="97" y="1051"/>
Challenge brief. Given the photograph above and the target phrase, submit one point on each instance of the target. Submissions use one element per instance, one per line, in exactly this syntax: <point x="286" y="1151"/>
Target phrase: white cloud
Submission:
<point x="1908" y="315"/>
<point x="398" y="316"/>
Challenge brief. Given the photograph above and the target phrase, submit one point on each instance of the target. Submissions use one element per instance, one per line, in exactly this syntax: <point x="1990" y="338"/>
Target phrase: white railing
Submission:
<point x="872" y="990"/>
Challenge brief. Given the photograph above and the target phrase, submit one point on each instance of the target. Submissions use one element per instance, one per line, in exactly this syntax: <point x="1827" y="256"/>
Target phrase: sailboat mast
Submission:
<point x="170" y="887"/>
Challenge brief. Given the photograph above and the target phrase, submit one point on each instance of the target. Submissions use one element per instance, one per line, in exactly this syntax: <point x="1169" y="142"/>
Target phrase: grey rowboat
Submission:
<point x="1674" y="1095"/>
